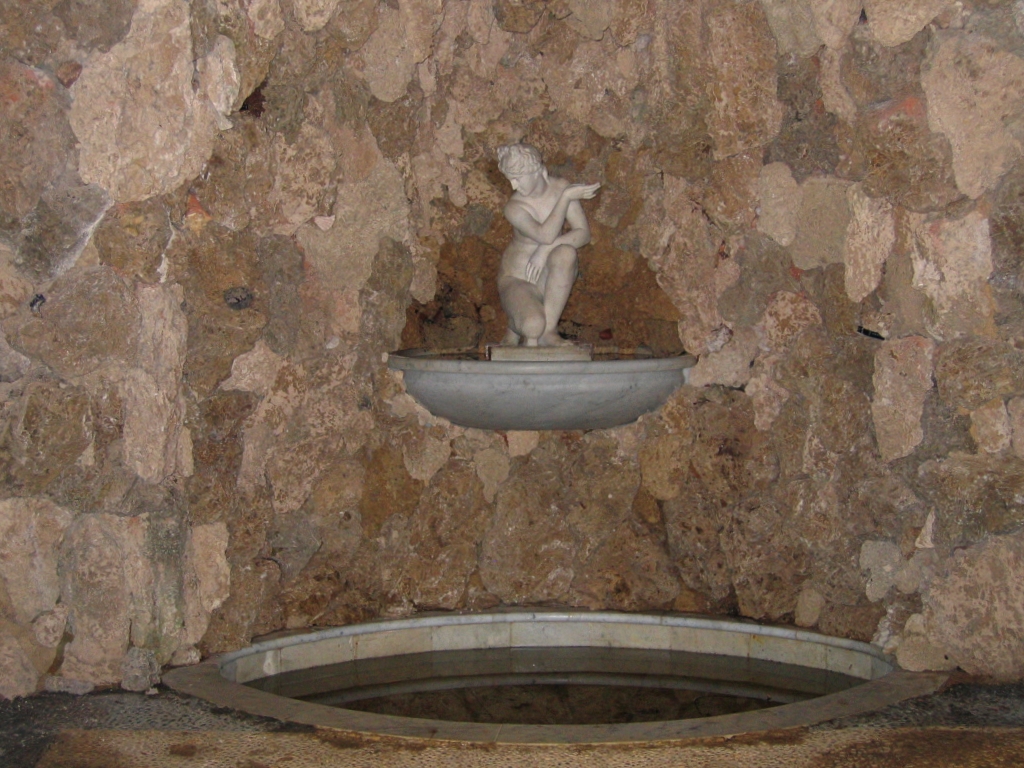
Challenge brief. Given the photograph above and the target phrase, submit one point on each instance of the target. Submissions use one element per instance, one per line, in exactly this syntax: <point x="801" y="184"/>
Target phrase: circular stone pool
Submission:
<point x="749" y="677"/>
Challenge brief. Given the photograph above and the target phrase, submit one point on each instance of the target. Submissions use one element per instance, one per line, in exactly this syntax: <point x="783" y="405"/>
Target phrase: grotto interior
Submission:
<point x="216" y="217"/>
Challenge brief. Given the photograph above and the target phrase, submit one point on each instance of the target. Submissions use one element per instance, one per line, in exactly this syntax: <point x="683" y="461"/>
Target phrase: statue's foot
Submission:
<point x="511" y="338"/>
<point x="553" y="340"/>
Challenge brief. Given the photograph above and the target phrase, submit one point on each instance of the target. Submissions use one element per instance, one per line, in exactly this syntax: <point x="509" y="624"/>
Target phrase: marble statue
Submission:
<point x="538" y="268"/>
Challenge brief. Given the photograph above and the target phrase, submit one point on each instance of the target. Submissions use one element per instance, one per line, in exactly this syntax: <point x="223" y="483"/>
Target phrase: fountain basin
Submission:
<point x="515" y="395"/>
<point x="736" y="643"/>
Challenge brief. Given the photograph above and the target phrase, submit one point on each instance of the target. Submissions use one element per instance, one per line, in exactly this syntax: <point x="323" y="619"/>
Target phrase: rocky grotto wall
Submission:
<point x="216" y="217"/>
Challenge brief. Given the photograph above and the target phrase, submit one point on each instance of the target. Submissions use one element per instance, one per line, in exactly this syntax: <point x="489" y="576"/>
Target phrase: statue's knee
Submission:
<point x="532" y="326"/>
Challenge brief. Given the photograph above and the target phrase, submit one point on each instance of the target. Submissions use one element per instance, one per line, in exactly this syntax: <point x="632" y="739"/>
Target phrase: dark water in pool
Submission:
<point x="550" y="686"/>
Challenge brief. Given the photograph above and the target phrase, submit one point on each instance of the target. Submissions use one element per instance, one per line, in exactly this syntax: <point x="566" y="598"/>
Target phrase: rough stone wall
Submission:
<point x="215" y="219"/>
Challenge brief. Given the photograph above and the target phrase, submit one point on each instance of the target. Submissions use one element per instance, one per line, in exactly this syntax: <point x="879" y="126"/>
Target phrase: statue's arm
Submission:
<point x="577" y="236"/>
<point x="548" y="231"/>
<point x="579" y="230"/>
<point x="544" y="233"/>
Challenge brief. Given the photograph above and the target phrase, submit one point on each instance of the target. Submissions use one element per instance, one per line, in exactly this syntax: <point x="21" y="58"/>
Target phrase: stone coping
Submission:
<point x="424" y="360"/>
<point x="219" y="680"/>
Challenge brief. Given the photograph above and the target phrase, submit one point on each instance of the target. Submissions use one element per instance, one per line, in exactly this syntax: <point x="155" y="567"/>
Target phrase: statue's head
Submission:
<point x="516" y="160"/>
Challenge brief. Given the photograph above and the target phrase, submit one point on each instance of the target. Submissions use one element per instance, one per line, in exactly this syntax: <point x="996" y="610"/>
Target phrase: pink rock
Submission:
<point x="974" y="610"/>
<point x="990" y="427"/>
<point x="902" y="379"/>
<point x="31" y="532"/>
<point x="895" y="23"/>
<point x="952" y="261"/>
<point x="163" y="132"/>
<point x="973" y="89"/>
<point x="870" y="237"/>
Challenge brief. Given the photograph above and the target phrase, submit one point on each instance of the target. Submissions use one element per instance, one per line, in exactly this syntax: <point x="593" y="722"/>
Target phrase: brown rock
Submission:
<point x="833" y="19"/>
<point x="132" y="238"/>
<point x="35" y="137"/>
<point x="973" y="496"/>
<point x="733" y="194"/>
<point x="972" y="373"/>
<point x="155" y="444"/>
<point x="676" y="241"/>
<point x="213" y="266"/>
<point x="787" y="316"/>
<point x="903" y="376"/>
<point x="49" y="432"/>
<point x="973" y="609"/>
<point x="857" y="622"/>
<point x="662" y="463"/>
<point x="807" y="139"/>
<point x="594" y="86"/>
<point x="340" y="260"/>
<point x="764" y="271"/>
<point x="518" y="15"/>
<point x="873" y="73"/>
<point x="808" y="607"/>
<point x="745" y="112"/>
<point x="90" y="321"/>
<point x="792" y="24"/>
<point x="389" y="489"/>
<point x="388" y="58"/>
<point x="96" y="23"/>
<point x="822" y="223"/>
<point x="883" y="560"/>
<point x="604" y="485"/>
<point x="1015" y="409"/>
<point x="218" y="454"/>
<point x="732" y="365"/>
<point x="18" y="675"/>
<point x="443" y="535"/>
<point x="629" y="572"/>
<point x="528" y="549"/>
<point x="905" y="162"/>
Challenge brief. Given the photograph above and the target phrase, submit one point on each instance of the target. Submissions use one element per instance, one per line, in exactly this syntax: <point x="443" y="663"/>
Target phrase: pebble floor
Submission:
<point x="963" y="726"/>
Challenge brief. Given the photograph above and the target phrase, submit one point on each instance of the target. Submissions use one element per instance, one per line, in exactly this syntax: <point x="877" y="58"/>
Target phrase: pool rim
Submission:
<point x="885" y="685"/>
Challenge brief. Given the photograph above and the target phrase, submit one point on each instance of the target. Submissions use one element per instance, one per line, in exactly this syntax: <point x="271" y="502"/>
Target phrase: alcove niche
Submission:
<point x="216" y="220"/>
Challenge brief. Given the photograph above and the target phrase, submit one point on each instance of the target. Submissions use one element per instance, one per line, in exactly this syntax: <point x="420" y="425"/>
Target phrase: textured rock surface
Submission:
<point x="902" y="379"/>
<point x="892" y="24"/>
<point x="972" y="89"/>
<point x="34" y="137"/>
<point x="973" y="609"/>
<point x="200" y="441"/>
<point x="952" y="262"/>
<point x="745" y="112"/>
<point x="161" y="130"/>
<point x="870" y="237"/>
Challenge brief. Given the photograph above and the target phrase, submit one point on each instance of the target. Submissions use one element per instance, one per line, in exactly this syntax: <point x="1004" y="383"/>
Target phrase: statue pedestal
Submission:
<point x="564" y="354"/>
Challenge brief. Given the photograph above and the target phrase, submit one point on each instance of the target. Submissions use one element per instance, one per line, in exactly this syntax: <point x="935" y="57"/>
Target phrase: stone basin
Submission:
<point x="538" y="395"/>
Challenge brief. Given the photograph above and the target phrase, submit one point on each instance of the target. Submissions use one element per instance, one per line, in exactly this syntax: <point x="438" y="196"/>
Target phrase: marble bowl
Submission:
<point x="507" y="395"/>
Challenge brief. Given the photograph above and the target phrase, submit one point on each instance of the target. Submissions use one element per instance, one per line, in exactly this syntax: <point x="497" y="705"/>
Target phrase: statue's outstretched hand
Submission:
<point x="581" y="191"/>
